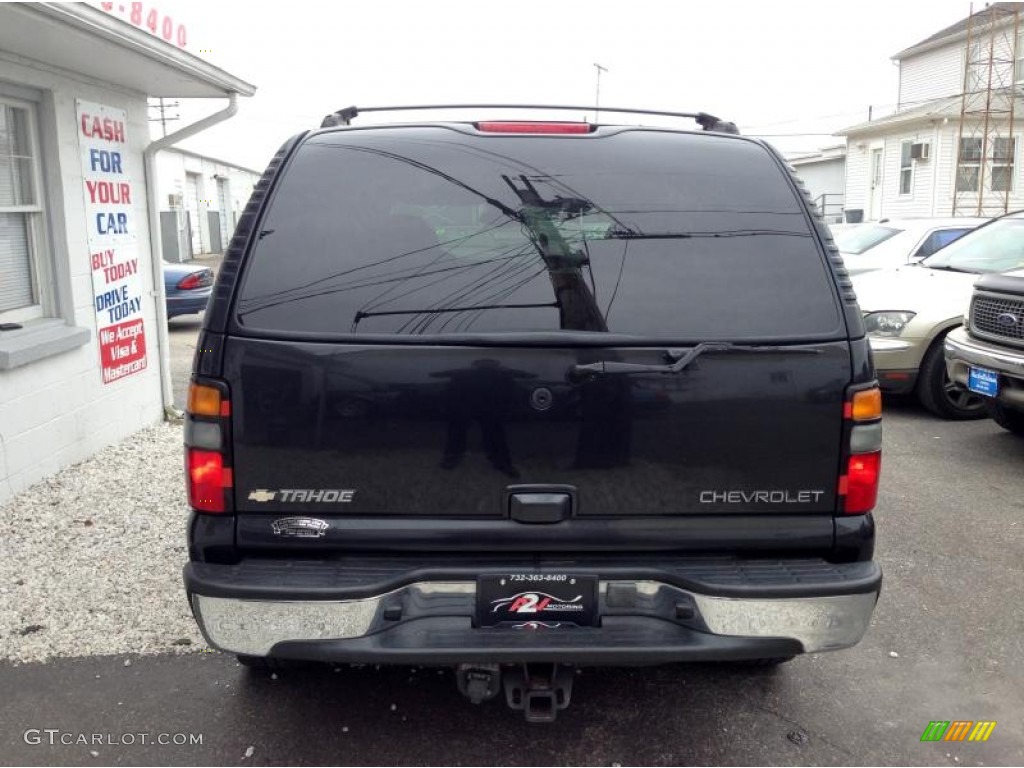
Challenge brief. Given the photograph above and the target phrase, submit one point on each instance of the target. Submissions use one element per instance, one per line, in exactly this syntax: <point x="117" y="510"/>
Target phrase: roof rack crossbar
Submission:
<point x="707" y="122"/>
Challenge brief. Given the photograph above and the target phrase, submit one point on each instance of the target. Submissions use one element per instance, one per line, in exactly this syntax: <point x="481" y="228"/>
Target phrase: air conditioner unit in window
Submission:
<point x="920" y="151"/>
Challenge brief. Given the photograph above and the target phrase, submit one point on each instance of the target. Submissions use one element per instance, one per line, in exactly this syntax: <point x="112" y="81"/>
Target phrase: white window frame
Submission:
<point x="972" y="163"/>
<point x="990" y="162"/>
<point x="1011" y="162"/>
<point x="908" y="169"/>
<point x="40" y="267"/>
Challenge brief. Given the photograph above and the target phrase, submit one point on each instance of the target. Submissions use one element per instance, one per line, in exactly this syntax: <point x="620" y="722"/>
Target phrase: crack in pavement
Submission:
<point x="809" y="731"/>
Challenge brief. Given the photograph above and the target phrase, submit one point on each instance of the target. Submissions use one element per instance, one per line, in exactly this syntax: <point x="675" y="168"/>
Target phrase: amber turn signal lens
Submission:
<point x="867" y="405"/>
<point x="203" y="400"/>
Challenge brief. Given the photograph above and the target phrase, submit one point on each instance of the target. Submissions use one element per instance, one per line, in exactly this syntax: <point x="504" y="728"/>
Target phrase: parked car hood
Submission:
<point x="932" y="292"/>
<point x="888" y="254"/>
<point x="1005" y="282"/>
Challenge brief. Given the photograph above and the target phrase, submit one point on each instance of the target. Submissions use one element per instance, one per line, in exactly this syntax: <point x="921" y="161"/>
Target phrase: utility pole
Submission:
<point x="597" y="97"/>
<point x="163" y="109"/>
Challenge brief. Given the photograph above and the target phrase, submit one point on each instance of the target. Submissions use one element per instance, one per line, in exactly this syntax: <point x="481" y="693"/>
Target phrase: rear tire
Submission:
<point x="941" y="395"/>
<point x="1010" y="420"/>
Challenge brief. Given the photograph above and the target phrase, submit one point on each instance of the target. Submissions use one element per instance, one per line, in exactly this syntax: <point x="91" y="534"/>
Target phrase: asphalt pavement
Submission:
<point x="945" y="644"/>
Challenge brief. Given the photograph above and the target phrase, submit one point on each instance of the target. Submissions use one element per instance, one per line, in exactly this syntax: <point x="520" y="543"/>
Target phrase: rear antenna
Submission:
<point x="597" y="96"/>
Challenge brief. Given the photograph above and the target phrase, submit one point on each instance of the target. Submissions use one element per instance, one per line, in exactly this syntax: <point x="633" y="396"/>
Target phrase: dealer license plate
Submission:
<point x="533" y="599"/>
<point x="983" y="381"/>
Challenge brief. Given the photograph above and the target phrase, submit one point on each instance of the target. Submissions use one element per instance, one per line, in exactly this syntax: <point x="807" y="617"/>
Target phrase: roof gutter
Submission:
<point x="906" y="118"/>
<point x="916" y="50"/>
<point x="156" y="244"/>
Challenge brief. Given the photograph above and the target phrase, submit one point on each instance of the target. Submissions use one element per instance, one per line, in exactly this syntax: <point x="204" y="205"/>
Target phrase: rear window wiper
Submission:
<point x="680" y="357"/>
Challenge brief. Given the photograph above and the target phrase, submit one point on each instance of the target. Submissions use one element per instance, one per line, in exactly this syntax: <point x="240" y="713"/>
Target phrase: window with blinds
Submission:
<point x="20" y="211"/>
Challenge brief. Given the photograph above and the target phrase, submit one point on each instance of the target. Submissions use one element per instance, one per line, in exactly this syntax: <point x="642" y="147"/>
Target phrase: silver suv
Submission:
<point x="987" y="354"/>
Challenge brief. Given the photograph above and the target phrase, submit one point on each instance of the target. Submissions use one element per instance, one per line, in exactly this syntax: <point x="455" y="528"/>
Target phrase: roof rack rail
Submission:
<point x="706" y="121"/>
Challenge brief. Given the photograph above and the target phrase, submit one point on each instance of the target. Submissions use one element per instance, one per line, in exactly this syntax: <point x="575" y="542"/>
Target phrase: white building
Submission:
<point x="83" y="353"/>
<point x="918" y="161"/>
<point x="824" y="173"/>
<point x="200" y="200"/>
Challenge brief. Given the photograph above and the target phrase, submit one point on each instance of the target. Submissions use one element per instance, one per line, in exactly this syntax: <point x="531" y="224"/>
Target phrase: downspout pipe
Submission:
<point x="156" y="250"/>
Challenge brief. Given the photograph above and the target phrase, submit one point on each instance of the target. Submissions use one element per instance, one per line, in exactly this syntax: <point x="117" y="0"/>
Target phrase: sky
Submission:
<point x="793" y="72"/>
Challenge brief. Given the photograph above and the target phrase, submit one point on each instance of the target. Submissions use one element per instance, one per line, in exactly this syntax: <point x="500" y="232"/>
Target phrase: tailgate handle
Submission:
<point x="540" y="507"/>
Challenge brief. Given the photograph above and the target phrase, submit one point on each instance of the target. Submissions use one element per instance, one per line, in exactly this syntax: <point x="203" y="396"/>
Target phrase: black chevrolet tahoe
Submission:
<point x="516" y="396"/>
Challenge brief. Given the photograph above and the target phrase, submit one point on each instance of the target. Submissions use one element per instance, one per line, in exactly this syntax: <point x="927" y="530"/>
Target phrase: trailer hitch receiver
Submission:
<point x="540" y="691"/>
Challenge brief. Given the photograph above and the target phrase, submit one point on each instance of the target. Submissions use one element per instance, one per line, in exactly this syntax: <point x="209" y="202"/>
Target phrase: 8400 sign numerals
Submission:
<point x="151" y="19"/>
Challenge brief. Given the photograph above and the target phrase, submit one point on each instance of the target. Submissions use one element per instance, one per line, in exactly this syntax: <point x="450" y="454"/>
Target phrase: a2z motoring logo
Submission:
<point x="536" y="602"/>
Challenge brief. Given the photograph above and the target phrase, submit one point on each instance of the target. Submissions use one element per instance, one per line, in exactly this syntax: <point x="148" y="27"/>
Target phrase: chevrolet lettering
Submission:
<point x="760" y="497"/>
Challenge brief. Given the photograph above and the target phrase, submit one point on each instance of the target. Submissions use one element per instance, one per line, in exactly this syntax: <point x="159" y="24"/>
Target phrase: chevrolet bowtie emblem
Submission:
<point x="262" y="495"/>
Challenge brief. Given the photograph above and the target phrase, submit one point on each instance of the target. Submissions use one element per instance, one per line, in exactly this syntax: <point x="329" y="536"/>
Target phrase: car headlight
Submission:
<point x="887" y="324"/>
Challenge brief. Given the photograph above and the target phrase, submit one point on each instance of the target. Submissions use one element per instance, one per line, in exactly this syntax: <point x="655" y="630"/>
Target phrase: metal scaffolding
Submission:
<point x="984" y="175"/>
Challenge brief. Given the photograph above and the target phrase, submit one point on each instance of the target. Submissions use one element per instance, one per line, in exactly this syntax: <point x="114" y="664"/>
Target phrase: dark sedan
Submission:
<point x="188" y="288"/>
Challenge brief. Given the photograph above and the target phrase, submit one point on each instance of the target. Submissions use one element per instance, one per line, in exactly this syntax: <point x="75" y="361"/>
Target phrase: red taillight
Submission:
<point x="207" y="480"/>
<point x="505" y="127"/>
<point x="208" y="446"/>
<point x="189" y="282"/>
<point x="858" y="488"/>
<point x="861" y="482"/>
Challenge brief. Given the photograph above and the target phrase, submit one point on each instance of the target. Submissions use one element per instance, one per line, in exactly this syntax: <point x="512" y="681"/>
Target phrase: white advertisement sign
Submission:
<point x="113" y="243"/>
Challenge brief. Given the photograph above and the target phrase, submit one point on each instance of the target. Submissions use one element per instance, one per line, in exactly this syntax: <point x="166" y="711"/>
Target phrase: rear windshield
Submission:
<point x="861" y="238"/>
<point x="428" y="231"/>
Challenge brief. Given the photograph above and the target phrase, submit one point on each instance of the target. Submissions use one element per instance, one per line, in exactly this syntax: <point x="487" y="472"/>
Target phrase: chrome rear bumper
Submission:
<point x="440" y="614"/>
